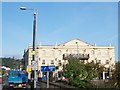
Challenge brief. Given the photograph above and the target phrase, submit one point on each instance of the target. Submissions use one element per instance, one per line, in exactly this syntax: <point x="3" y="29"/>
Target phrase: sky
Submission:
<point x="92" y="22"/>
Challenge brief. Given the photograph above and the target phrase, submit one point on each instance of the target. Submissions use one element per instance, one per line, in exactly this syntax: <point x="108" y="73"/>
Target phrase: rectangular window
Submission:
<point x="59" y="63"/>
<point x="60" y="52"/>
<point x="43" y="61"/>
<point x="93" y="61"/>
<point x="52" y="52"/>
<point x="43" y="52"/>
<point x="99" y="61"/>
<point x="52" y="61"/>
<point x="99" y="53"/>
<point x="107" y="61"/>
<point x="82" y="61"/>
<point x="92" y="52"/>
<point x="106" y="53"/>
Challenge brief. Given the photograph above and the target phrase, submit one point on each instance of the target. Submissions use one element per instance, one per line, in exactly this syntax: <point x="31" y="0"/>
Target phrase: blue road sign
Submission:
<point x="51" y="68"/>
<point x="44" y="68"/>
<point x="48" y="68"/>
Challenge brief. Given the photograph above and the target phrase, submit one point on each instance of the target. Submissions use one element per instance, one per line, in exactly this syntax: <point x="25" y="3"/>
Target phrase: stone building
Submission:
<point x="56" y="55"/>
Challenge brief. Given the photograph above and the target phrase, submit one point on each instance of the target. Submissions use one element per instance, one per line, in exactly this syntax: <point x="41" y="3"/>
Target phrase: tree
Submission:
<point x="116" y="75"/>
<point x="11" y="62"/>
<point x="94" y="69"/>
<point x="80" y="74"/>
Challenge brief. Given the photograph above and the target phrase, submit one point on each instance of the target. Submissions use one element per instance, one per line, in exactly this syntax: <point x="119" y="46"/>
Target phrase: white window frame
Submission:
<point x="52" y="62"/>
<point x="43" y="61"/>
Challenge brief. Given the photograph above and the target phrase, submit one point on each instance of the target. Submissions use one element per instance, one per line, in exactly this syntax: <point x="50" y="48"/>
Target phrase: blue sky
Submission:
<point x="58" y="22"/>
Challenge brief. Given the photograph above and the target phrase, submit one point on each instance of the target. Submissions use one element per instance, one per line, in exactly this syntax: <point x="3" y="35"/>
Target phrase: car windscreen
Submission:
<point x="13" y="74"/>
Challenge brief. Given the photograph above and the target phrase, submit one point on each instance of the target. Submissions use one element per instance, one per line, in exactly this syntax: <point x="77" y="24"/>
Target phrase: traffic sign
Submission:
<point x="34" y="65"/>
<point x="29" y="68"/>
<point x="48" y="68"/>
<point x="44" y="68"/>
<point x="33" y="52"/>
<point x="51" y="68"/>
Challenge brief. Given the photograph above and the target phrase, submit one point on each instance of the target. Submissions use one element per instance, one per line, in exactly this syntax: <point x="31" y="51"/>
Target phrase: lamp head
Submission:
<point x="23" y="8"/>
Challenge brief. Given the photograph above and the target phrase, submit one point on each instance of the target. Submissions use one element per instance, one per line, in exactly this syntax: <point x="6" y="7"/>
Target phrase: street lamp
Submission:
<point x="77" y="49"/>
<point x="34" y="63"/>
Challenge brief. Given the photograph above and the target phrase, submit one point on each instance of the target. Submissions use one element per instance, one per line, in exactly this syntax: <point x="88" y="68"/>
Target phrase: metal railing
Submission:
<point x="78" y="56"/>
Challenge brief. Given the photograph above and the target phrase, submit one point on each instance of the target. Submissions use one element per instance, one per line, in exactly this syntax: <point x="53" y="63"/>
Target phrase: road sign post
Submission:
<point x="34" y="67"/>
<point x="47" y="79"/>
<point x="48" y="69"/>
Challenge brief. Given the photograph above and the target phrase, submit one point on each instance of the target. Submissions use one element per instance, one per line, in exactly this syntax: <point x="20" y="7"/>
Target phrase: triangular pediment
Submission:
<point x="76" y="42"/>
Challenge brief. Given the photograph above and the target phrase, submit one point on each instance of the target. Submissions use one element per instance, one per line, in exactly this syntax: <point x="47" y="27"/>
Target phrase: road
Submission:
<point x="40" y="84"/>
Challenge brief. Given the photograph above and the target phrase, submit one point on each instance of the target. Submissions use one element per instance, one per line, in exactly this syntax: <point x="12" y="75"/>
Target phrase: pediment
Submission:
<point x="76" y="42"/>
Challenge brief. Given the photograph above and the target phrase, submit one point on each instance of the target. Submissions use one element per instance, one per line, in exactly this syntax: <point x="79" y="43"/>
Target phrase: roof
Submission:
<point x="77" y="41"/>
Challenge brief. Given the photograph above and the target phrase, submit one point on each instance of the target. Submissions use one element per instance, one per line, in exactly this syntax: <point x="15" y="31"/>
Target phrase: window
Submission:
<point x="75" y="51"/>
<point x="81" y="51"/>
<point x="59" y="52"/>
<point x="99" y="61"/>
<point x="107" y="61"/>
<point x="82" y="61"/>
<point x="43" y="52"/>
<point x="106" y="53"/>
<point x="93" y="61"/>
<point x="52" y="61"/>
<point x="43" y="61"/>
<point x="52" y="52"/>
<point x="92" y="51"/>
<point x="84" y="50"/>
<point x="59" y="63"/>
<point x="67" y="50"/>
<point x="99" y="53"/>
<point x="70" y="51"/>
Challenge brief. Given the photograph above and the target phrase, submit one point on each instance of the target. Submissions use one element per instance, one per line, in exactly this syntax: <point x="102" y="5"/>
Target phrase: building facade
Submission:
<point x="47" y="55"/>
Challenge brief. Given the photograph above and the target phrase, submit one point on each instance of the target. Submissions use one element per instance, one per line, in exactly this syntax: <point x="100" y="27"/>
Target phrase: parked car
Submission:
<point x="17" y="78"/>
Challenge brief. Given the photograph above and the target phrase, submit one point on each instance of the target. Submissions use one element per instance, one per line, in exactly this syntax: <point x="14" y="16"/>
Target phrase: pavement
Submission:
<point x="0" y="86"/>
<point x="5" y="83"/>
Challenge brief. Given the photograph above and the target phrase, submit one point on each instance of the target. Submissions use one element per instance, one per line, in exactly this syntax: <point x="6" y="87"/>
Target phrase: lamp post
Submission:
<point x="34" y="63"/>
<point x="77" y="49"/>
